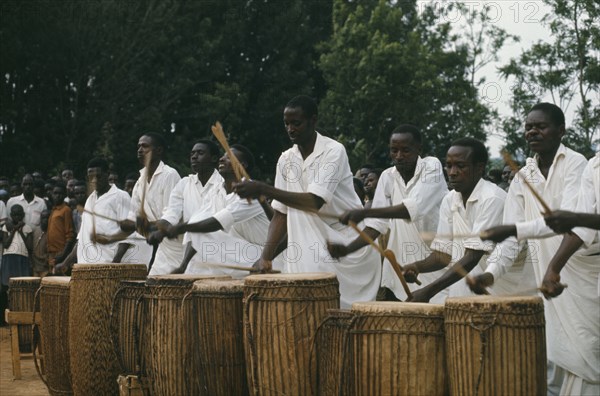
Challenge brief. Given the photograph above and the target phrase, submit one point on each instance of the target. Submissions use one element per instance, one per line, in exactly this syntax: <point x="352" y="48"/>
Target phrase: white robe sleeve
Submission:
<point x="174" y="210"/>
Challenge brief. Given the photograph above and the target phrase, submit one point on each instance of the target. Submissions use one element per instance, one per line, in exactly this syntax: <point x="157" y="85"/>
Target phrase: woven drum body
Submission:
<point x="21" y="295"/>
<point x="398" y="349"/>
<point x="282" y="313"/>
<point x="334" y="360"/>
<point x="218" y="362"/>
<point x="168" y="334"/>
<point x="94" y="363"/>
<point x="124" y="325"/>
<point x="496" y="345"/>
<point x="54" y="311"/>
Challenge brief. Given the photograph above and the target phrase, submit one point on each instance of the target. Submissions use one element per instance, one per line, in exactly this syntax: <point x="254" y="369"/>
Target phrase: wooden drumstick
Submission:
<point x="144" y="217"/>
<point x="99" y="215"/>
<point x="390" y="257"/>
<point x="241" y="268"/>
<point x="508" y="159"/>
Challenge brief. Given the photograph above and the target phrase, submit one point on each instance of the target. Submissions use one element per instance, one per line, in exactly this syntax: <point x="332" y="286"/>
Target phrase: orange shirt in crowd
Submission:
<point x="60" y="228"/>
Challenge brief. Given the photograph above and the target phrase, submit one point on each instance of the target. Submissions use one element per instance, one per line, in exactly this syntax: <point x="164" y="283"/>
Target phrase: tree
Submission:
<point x="566" y="69"/>
<point x="386" y="64"/>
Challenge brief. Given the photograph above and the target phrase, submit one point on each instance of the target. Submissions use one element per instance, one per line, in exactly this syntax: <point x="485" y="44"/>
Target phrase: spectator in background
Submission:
<point x="15" y="190"/>
<point x="495" y="176"/>
<point x="505" y="178"/>
<point x="130" y="181"/>
<point x="4" y="196"/>
<point x="48" y="187"/>
<point x="39" y="256"/>
<point x="4" y="183"/>
<point x="70" y="190"/>
<point x="61" y="237"/>
<point x="66" y="175"/>
<point x="370" y="186"/>
<point x="359" y="188"/>
<point x="113" y="178"/>
<point x="363" y="172"/>
<point x="31" y="204"/>
<point x="37" y="175"/>
<point x="77" y="204"/>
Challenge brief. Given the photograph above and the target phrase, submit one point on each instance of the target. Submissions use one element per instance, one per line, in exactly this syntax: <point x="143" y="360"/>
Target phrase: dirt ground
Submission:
<point x="29" y="385"/>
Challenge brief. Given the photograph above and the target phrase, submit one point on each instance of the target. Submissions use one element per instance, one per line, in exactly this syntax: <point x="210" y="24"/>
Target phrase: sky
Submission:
<point x="518" y="17"/>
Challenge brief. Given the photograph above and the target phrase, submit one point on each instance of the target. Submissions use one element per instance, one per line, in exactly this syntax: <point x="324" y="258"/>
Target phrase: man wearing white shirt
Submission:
<point x="472" y="206"/>
<point x="153" y="188"/>
<point x="31" y="203"/>
<point x="236" y="234"/>
<point x="200" y="192"/>
<point x="112" y="206"/>
<point x="573" y="320"/>
<point x="406" y="202"/>
<point x="313" y="184"/>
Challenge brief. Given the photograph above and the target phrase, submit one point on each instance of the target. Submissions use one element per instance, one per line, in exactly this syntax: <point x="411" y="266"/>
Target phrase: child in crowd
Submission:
<point x="39" y="258"/>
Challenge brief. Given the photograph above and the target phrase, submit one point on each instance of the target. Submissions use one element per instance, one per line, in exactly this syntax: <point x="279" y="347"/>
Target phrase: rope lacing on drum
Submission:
<point x="482" y="328"/>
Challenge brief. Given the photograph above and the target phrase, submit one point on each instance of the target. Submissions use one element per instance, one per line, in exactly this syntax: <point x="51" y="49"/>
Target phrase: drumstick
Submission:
<point x="532" y="290"/>
<point x="143" y="215"/>
<point x="508" y="159"/>
<point x="241" y="268"/>
<point x="433" y="235"/>
<point x="390" y="257"/>
<point x="99" y="215"/>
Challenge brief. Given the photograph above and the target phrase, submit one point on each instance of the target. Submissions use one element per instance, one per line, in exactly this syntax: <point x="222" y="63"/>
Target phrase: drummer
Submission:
<point x="200" y="191"/>
<point x="313" y="186"/>
<point x="573" y="320"/>
<point x="153" y="188"/>
<point x="406" y="202"/>
<point x="234" y="235"/>
<point x="473" y="205"/>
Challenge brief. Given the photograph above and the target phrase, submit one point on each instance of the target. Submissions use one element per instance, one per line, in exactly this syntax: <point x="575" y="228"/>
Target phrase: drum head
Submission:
<point x="398" y="307"/>
<point x="227" y="286"/>
<point x="56" y="280"/>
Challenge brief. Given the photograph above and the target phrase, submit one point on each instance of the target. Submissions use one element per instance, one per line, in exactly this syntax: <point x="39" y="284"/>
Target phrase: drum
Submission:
<point x="281" y="316"/>
<point x="219" y="363"/>
<point x="334" y="360"/>
<point x="168" y="333"/>
<point x="123" y="324"/>
<point x="496" y="345"/>
<point x="54" y="311"/>
<point x="398" y="349"/>
<point x="94" y="364"/>
<point x="21" y="295"/>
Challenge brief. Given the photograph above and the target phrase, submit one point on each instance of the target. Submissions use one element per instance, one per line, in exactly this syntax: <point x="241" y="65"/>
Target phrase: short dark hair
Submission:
<point x="306" y="103"/>
<point x="556" y="114"/>
<point x="98" y="163"/>
<point x="377" y="171"/>
<point x="410" y="129"/>
<point x="80" y="183"/>
<point x="61" y="184"/>
<point x="248" y="157"/>
<point x="213" y="148"/>
<point x="17" y="207"/>
<point x="366" y="166"/>
<point x="479" y="155"/>
<point x="157" y="140"/>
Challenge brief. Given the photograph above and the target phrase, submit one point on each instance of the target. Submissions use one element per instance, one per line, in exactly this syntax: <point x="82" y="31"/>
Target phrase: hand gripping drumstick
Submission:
<point x="508" y="159"/>
<point x="390" y="257"/>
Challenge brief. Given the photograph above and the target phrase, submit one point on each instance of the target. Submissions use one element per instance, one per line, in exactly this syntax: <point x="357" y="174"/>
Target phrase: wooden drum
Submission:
<point x="218" y="360"/>
<point x="54" y="311"/>
<point x="334" y="360"/>
<point x="94" y="363"/>
<point x="282" y="313"/>
<point x="398" y="349"/>
<point x="496" y="345"/>
<point x="124" y="325"/>
<point x="168" y="333"/>
<point x="21" y="296"/>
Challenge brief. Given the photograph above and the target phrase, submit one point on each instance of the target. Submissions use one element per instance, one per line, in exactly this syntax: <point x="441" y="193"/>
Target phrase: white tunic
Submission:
<point x="421" y="196"/>
<point x="113" y="204"/>
<point x="32" y="209"/>
<point x="188" y="198"/>
<point x="326" y="174"/>
<point x="245" y="226"/>
<point x="156" y="198"/>
<point x="483" y="210"/>
<point x="573" y="318"/>
<point x="588" y="201"/>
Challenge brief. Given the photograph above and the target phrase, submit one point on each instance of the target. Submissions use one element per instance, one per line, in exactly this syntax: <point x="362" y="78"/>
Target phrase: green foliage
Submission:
<point x="385" y="64"/>
<point x="567" y="69"/>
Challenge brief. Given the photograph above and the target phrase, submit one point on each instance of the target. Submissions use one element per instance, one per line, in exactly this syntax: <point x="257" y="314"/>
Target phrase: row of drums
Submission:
<point x="279" y="334"/>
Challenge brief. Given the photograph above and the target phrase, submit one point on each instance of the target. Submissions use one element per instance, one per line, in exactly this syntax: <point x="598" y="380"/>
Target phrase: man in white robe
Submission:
<point x="153" y="187"/>
<point x="472" y="206"/>
<point x="201" y="191"/>
<point x="235" y="235"/>
<point x="313" y="187"/>
<point x="406" y="202"/>
<point x="573" y="320"/>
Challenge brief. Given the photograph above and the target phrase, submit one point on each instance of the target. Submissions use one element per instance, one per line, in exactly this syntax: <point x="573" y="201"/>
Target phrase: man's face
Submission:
<point x="27" y="185"/>
<point x="17" y="214"/>
<point x="541" y="133"/>
<point x="58" y="195"/>
<point x="363" y="173"/>
<point x="98" y="179"/>
<point x="371" y="183"/>
<point x="113" y="178"/>
<point x="404" y="151"/>
<point x="299" y="128"/>
<point x="67" y="175"/>
<point x="145" y="150"/>
<point x="225" y="166"/>
<point x="44" y="216"/>
<point x="201" y="158"/>
<point x="506" y="173"/>
<point x="129" y="184"/>
<point x="70" y="187"/>
<point x="463" y="174"/>
<point x="79" y="194"/>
